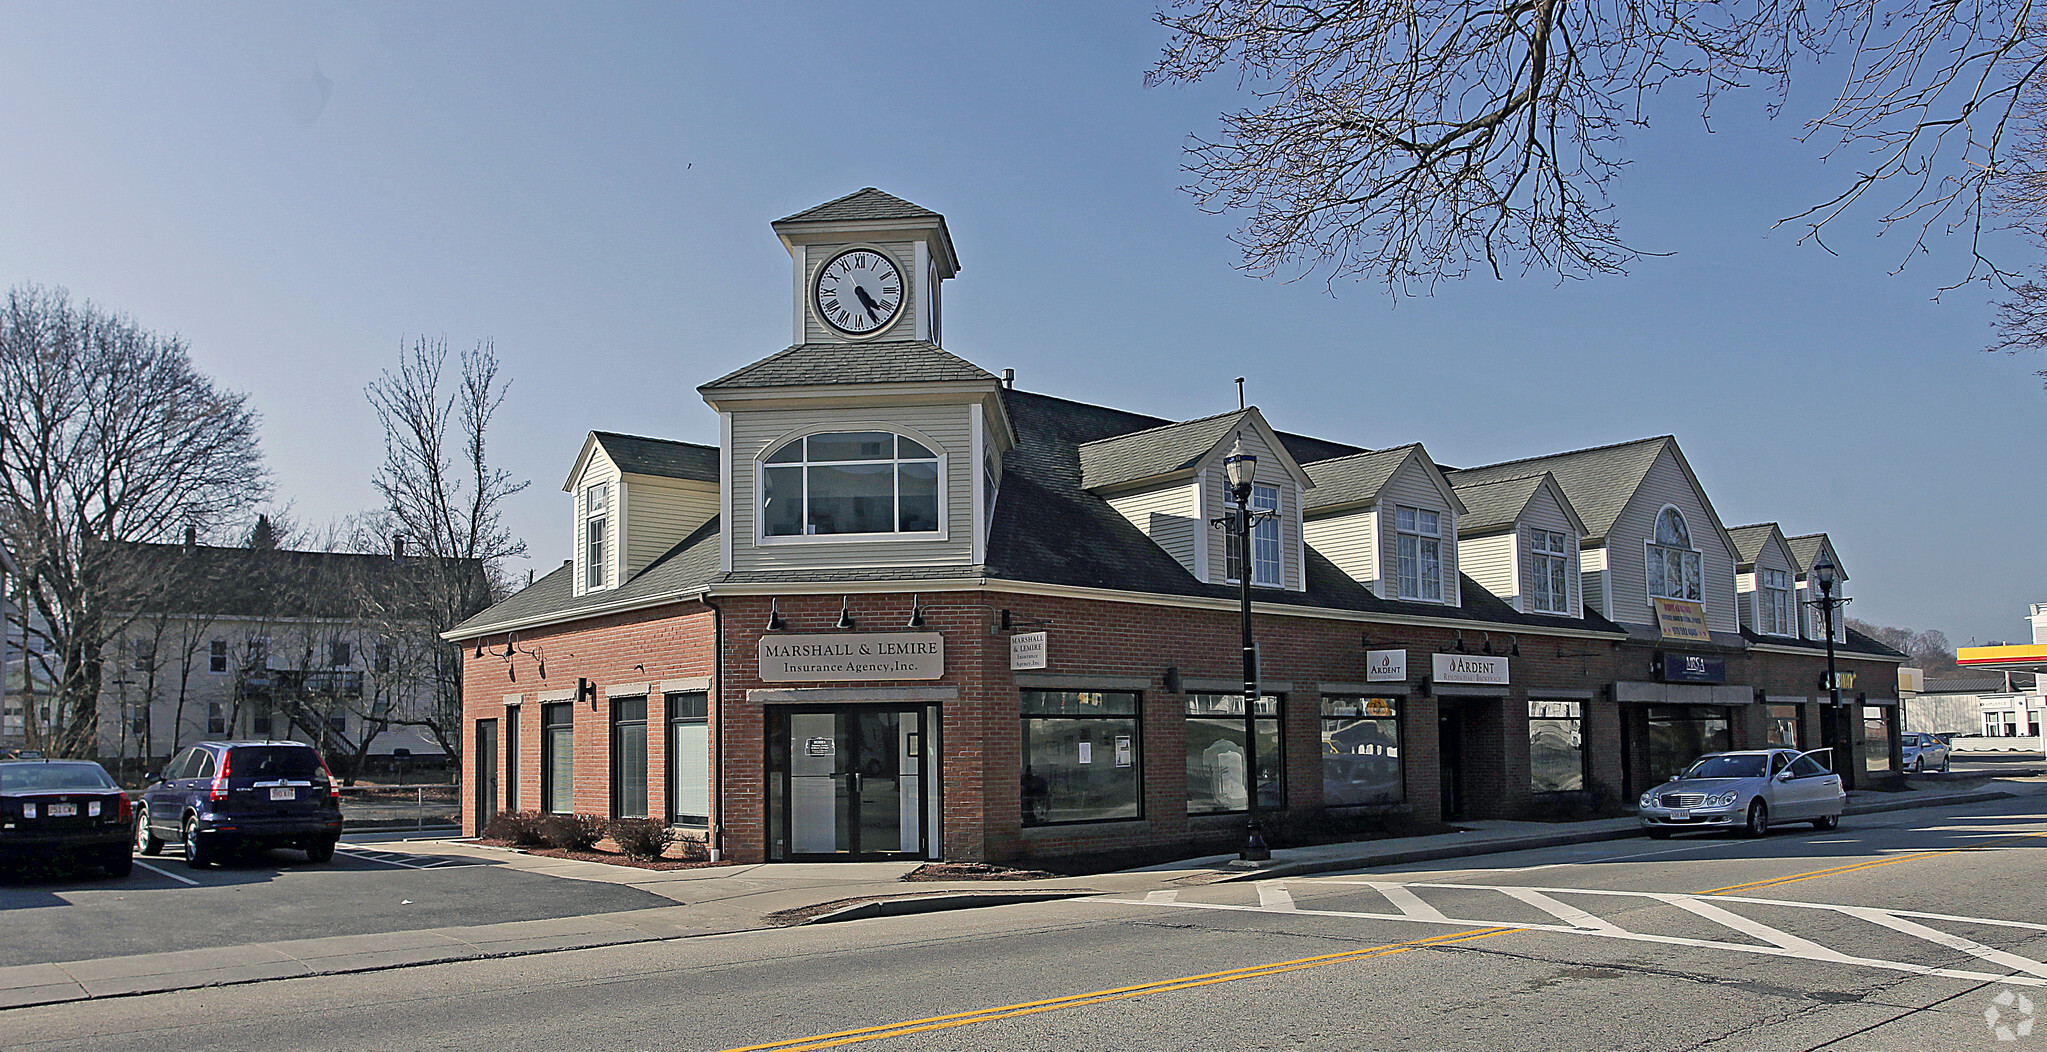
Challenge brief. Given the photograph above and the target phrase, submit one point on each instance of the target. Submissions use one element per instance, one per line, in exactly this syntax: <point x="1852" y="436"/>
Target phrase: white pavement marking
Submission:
<point x="166" y="873"/>
<point x="393" y="858"/>
<point x="1781" y="944"/>
<point x="1275" y="898"/>
<point x="1562" y="911"/>
<point x="1161" y="897"/>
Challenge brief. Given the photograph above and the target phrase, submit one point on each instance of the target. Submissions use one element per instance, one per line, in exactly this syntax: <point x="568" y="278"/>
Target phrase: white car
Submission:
<point x="1924" y="752"/>
<point x="1745" y="791"/>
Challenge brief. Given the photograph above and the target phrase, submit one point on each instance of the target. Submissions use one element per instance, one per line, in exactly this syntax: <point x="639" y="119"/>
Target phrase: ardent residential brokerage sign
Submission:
<point x="849" y="656"/>
<point x="1471" y="668"/>
<point x="1385" y="666"/>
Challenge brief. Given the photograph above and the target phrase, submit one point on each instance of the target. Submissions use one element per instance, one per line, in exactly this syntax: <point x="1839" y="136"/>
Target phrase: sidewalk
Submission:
<point x="741" y="898"/>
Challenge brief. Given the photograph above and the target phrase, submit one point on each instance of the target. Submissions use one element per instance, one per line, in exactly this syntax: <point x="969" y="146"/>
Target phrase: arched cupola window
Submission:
<point x="1673" y="562"/>
<point x="851" y="482"/>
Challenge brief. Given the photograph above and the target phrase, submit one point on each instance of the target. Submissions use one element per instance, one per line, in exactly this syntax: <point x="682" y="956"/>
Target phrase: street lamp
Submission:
<point x="1826" y="574"/>
<point x="1242" y="470"/>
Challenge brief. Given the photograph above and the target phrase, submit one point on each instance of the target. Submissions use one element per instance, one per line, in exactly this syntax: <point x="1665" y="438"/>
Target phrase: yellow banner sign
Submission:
<point x="1682" y="619"/>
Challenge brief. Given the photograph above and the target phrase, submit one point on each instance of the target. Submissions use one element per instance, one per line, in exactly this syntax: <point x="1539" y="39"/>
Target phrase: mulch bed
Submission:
<point x="973" y="871"/>
<point x="612" y="858"/>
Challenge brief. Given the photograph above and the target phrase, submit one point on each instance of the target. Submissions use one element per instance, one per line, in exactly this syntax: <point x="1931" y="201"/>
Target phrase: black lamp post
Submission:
<point x="1242" y="469"/>
<point x="1826" y="574"/>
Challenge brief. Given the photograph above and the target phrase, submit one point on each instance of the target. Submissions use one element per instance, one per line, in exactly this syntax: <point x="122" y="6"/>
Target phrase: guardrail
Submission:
<point x="400" y="806"/>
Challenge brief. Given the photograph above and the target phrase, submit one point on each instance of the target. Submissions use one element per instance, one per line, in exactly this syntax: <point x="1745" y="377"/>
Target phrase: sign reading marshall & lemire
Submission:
<point x="1471" y="668"/>
<point x="843" y="656"/>
<point x="1027" y="650"/>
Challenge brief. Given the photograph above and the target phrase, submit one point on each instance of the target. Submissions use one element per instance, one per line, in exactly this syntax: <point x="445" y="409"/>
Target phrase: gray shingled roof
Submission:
<point x="1805" y="549"/>
<point x="1597" y="482"/>
<point x="865" y="203"/>
<point x="1495" y="505"/>
<point x="692" y="563"/>
<point x="878" y="362"/>
<point x="1153" y="451"/>
<point x="1975" y="684"/>
<point x="659" y="456"/>
<point x="1749" y="541"/>
<point x="1354" y="479"/>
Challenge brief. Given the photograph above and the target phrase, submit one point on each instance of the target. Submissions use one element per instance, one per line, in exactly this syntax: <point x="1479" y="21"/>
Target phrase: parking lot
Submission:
<point x="368" y="888"/>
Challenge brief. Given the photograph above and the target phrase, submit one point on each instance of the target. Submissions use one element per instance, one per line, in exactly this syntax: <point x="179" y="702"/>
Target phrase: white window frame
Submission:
<point x="597" y="549"/>
<point x="1539" y="549"/>
<point x="1263" y="498"/>
<point x="1691" y="563"/>
<point x="760" y="489"/>
<point x="1773" y="602"/>
<point x="1427" y="586"/>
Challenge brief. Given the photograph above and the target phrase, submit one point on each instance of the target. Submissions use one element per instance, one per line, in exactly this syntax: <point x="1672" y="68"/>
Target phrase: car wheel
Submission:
<point x="118" y="862"/>
<point x="146" y="842"/>
<point x="320" y="851"/>
<point x="198" y="853"/>
<point x="1918" y="765"/>
<point x="1824" y="824"/>
<point x="1658" y="834"/>
<point x="1944" y="761"/>
<point x="1758" y="823"/>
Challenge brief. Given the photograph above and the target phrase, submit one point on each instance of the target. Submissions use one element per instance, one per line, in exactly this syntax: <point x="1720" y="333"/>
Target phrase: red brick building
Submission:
<point x="906" y="610"/>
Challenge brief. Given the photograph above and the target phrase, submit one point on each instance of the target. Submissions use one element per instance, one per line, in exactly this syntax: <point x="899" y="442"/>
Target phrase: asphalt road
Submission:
<point x="1801" y="941"/>
<point x="72" y="915"/>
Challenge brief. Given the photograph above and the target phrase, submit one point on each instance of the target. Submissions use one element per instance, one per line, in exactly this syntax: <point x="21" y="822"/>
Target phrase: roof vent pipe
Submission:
<point x="191" y="538"/>
<point x="397" y="546"/>
<point x="1009" y="377"/>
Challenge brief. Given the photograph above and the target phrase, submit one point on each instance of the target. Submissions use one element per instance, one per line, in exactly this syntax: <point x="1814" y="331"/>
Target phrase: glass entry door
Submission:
<point x="850" y="782"/>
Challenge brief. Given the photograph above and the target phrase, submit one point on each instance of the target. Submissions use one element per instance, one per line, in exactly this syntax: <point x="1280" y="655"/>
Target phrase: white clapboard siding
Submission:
<point x="1593" y="579"/>
<point x="1349" y="541"/>
<point x="1666" y="484"/>
<point x="1490" y="560"/>
<point x="598" y="469"/>
<point x="1745" y="600"/>
<point x="1270" y="473"/>
<point x="905" y="325"/>
<point x="659" y="513"/>
<point x="1168" y="515"/>
<point x="943" y="428"/>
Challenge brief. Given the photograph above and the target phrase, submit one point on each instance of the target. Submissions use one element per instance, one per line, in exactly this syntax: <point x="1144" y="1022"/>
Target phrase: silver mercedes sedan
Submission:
<point x="1745" y="791"/>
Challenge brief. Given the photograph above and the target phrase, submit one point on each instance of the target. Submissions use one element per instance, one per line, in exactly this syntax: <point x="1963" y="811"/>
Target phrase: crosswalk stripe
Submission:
<point x="1562" y="911"/>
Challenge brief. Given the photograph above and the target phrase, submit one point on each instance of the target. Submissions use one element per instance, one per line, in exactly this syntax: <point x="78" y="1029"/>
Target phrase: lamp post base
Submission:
<point x="1254" y="845"/>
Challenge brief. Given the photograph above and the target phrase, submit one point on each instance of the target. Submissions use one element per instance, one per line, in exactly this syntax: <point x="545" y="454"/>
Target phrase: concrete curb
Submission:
<point x="900" y="907"/>
<point x="1976" y="797"/>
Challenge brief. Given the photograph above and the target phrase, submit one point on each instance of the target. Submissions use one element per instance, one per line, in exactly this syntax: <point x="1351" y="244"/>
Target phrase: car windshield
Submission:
<point x="1728" y="767"/>
<point x="27" y="777"/>
<point x="273" y="761"/>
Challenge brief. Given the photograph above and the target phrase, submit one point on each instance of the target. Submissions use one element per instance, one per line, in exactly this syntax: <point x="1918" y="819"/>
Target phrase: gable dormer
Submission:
<point x="1518" y="537"/>
<point x="1170" y="482"/>
<point x="633" y="499"/>
<point x="1806" y="552"/>
<point x="1765" y="580"/>
<point x="1388" y="519"/>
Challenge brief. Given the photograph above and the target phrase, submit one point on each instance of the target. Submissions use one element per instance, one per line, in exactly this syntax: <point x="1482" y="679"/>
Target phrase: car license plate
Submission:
<point x="1680" y="816"/>
<point x="282" y="793"/>
<point x="63" y="810"/>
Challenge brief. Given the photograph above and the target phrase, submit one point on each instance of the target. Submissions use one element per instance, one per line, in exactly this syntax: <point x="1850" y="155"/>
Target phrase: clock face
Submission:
<point x="858" y="291"/>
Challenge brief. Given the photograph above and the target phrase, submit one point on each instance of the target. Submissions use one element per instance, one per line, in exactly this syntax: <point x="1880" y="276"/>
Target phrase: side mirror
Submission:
<point x="1784" y="775"/>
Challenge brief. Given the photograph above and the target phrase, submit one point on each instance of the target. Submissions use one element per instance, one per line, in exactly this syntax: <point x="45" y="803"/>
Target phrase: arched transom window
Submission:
<point x="850" y="482"/>
<point x="1673" y="563"/>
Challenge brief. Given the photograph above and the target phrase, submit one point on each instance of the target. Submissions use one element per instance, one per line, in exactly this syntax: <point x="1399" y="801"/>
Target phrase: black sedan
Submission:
<point x="64" y="808"/>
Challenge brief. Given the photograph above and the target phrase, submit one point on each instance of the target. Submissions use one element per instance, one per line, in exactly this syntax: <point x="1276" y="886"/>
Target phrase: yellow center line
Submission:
<point x="1917" y="856"/>
<point x="942" y="1022"/>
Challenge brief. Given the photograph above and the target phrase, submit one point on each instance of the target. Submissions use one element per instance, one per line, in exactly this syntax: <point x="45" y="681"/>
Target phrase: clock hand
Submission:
<point x="873" y="308"/>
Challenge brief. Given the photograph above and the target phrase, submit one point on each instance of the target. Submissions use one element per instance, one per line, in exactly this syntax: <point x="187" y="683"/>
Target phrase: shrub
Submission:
<point x="692" y="848"/>
<point x="518" y="828"/>
<point x="640" y="839"/>
<point x="570" y="832"/>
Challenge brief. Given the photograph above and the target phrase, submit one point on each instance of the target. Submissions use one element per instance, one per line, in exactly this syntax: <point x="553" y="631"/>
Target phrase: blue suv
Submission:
<point x="216" y="797"/>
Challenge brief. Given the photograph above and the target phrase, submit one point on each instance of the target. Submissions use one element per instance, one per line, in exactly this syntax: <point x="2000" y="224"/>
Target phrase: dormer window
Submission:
<point x="596" y="518"/>
<point x="850" y="482"/>
<point x="1419" y="535"/>
<point x="1265" y="547"/>
<point x="1773" y="605"/>
<point x="1546" y="571"/>
<point x="1673" y="563"/>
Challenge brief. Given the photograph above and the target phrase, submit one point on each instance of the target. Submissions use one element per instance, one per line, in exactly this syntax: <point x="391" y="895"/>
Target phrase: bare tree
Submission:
<point x="1408" y="142"/>
<point x="107" y="433"/>
<point x="1929" y="648"/>
<point x="444" y="499"/>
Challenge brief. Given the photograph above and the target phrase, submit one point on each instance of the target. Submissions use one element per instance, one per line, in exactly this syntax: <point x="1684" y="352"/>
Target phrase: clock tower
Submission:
<point x="867" y="268"/>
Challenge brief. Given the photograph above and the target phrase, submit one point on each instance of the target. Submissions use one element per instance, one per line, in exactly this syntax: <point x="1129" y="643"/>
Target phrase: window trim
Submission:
<point x="671" y="748"/>
<point x="1584" y="750"/>
<point x="1249" y="721"/>
<point x="1766" y="599"/>
<point x="762" y="538"/>
<point x="1421" y="579"/>
<point x="616" y="753"/>
<point x="1136" y="718"/>
<point x="547" y="747"/>
<point x="1651" y="545"/>
<point x="597" y="564"/>
<point x="1277" y="521"/>
<point x="1397" y="704"/>
<point x="1529" y="556"/>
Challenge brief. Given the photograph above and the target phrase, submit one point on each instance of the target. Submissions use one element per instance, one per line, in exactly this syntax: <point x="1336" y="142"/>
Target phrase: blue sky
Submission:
<point x="299" y="190"/>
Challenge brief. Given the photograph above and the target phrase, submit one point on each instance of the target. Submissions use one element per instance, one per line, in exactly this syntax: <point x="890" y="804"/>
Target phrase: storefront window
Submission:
<point x="629" y="757"/>
<point x="1556" y="746"/>
<point x="1679" y="734"/>
<point x="1782" y="726"/>
<point x="1220" y="734"/>
<point x="558" y="757"/>
<point x="1876" y="738"/>
<point x="1361" y="752"/>
<point x="689" y="757"/>
<point x="1080" y="756"/>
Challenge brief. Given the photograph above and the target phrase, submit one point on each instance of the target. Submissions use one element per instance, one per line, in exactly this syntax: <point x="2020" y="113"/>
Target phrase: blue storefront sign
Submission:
<point x="1693" y="668"/>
